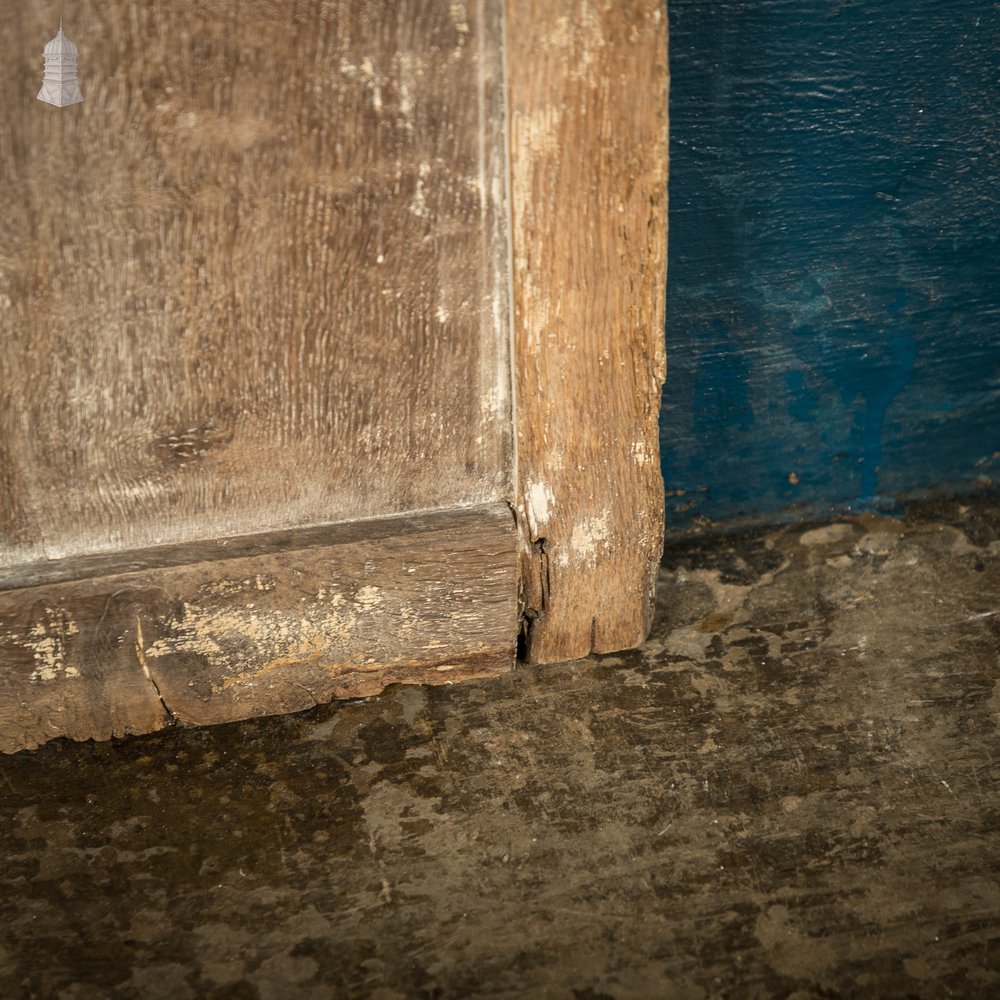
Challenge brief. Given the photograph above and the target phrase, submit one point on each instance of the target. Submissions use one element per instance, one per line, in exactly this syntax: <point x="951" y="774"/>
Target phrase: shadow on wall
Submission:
<point x="833" y="329"/>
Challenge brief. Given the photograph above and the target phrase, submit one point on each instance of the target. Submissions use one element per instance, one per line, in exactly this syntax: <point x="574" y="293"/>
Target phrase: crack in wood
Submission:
<point x="140" y="654"/>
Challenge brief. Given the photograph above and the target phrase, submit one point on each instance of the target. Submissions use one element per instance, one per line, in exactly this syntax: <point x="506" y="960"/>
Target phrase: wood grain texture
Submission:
<point x="280" y="626"/>
<point x="588" y="84"/>
<point x="256" y="279"/>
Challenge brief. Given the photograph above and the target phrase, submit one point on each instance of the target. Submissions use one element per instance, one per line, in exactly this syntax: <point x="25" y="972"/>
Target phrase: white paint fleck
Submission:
<point x="459" y="17"/>
<point x="368" y="74"/>
<point x="641" y="453"/>
<point x="46" y="641"/>
<point x="590" y="537"/>
<point x="369" y="597"/>
<point x="539" y="497"/>
<point x="408" y="69"/>
<point x="419" y="204"/>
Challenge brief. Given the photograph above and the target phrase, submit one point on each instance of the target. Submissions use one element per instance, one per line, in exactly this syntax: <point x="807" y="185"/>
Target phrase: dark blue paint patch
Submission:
<point x="803" y="401"/>
<point x="721" y="393"/>
<point x="834" y="285"/>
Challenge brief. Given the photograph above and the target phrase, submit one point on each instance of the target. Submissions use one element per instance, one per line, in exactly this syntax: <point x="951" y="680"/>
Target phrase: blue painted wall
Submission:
<point x="833" y="305"/>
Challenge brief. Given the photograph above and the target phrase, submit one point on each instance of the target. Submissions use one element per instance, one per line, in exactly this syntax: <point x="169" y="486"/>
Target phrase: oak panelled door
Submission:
<point x="330" y="350"/>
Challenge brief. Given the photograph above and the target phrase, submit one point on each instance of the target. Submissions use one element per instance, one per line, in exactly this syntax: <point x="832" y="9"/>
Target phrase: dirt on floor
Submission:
<point x="792" y="789"/>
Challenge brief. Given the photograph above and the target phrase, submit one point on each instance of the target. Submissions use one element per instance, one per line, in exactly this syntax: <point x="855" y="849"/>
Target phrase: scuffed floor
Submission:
<point x="792" y="789"/>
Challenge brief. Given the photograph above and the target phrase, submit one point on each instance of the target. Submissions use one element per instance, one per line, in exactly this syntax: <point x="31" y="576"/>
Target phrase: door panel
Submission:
<point x="256" y="279"/>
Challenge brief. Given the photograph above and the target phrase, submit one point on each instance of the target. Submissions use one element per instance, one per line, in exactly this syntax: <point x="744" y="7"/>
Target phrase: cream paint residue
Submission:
<point x="539" y="497"/>
<point x="46" y="641"/>
<point x="641" y="453"/>
<point x="369" y="598"/>
<point x="538" y="131"/>
<point x="408" y="68"/>
<point x="459" y="17"/>
<point x="227" y="588"/>
<point x="589" y="540"/>
<point x="270" y="639"/>
<point x="534" y="136"/>
<point x="367" y="73"/>
<point x="419" y="204"/>
<point x="493" y="405"/>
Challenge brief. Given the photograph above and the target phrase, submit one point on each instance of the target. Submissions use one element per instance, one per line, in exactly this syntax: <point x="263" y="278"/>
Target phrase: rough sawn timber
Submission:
<point x="227" y="630"/>
<point x="588" y="83"/>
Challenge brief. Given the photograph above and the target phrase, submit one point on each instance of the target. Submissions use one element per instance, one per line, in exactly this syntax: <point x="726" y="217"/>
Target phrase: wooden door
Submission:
<point x="260" y="295"/>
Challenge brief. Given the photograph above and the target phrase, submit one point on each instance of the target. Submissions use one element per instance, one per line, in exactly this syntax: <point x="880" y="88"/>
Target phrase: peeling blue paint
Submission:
<point x="833" y="326"/>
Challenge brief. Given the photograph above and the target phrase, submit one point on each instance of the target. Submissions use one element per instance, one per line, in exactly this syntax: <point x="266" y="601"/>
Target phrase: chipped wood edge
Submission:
<point x="588" y="88"/>
<point x="274" y="628"/>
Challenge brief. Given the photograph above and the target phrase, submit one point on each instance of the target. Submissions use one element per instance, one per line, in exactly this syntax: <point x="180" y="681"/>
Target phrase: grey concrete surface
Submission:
<point x="790" y="790"/>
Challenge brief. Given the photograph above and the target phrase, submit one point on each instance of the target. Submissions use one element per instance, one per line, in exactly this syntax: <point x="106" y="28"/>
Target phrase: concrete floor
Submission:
<point x="793" y="789"/>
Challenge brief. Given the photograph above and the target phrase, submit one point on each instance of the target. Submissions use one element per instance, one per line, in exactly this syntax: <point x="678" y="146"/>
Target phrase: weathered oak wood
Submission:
<point x="280" y="626"/>
<point x="256" y="283"/>
<point x="257" y="279"/>
<point x="588" y="122"/>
